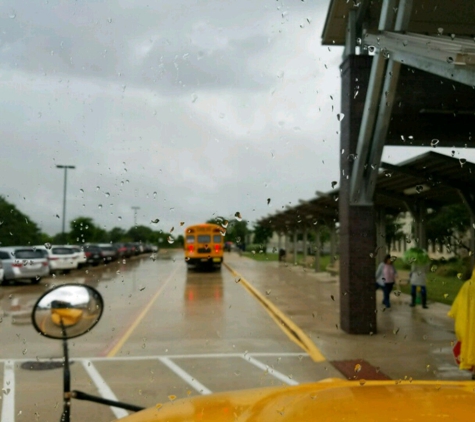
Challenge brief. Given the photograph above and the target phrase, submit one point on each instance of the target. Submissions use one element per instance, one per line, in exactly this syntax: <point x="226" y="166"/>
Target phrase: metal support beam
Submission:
<point x="378" y="108"/>
<point x="332" y="244"/>
<point x="317" y="248"/>
<point x="295" y="247"/>
<point x="412" y="50"/>
<point x="305" y="231"/>
<point x="382" y="124"/>
<point x="350" y="43"/>
<point x="381" y="234"/>
<point x="418" y="210"/>
<point x="287" y="245"/>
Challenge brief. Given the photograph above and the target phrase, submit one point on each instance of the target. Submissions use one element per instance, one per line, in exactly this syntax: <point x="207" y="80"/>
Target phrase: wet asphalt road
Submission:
<point x="165" y="332"/>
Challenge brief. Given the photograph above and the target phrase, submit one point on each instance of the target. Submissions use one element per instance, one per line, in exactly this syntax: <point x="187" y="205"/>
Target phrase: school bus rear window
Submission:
<point x="190" y="239"/>
<point x="217" y="238"/>
<point x="204" y="238"/>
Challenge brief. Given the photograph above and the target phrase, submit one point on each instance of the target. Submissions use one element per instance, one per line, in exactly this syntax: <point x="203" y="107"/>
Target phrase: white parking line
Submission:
<point x="103" y="388"/>
<point x="185" y="376"/>
<point x="190" y="356"/>
<point x="271" y="371"/>
<point x="8" y="406"/>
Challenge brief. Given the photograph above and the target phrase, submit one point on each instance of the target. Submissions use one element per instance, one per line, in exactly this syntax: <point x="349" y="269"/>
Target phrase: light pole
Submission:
<point x="64" y="196"/>
<point x="135" y="215"/>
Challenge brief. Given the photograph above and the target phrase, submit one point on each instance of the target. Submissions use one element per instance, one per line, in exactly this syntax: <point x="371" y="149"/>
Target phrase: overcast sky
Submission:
<point x="183" y="108"/>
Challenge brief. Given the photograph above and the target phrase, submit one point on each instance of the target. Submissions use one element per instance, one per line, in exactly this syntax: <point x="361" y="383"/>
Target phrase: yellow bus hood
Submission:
<point x="328" y="400"/>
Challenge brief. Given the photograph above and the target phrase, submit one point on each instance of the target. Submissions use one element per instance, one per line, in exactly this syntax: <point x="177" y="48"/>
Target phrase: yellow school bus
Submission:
<point x="204" y="245"/>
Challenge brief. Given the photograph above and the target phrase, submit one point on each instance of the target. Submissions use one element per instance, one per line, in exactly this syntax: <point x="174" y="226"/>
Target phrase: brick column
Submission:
<point x="357" y="223"/>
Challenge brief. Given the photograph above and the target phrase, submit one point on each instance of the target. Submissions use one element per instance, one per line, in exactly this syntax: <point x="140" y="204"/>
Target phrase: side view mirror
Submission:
<point x="67" y="311"/>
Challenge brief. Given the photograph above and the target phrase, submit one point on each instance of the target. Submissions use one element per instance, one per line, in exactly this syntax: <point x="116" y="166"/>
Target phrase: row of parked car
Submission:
<point x="35" y="262"/>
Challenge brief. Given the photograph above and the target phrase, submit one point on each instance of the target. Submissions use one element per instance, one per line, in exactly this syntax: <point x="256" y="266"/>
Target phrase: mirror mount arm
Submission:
<point x="84" y="396"/>
<point x="66" y="379"/>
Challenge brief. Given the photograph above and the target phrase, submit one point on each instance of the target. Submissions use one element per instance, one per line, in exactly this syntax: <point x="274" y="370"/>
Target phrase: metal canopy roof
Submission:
<point x="434" y="178"/>
<point x="428" y="17"/>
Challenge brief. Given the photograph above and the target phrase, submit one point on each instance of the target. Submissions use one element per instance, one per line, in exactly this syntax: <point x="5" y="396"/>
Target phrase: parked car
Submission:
<point x="1" y="272"/>
<point x="23" y="263"/>
<point x="122" y="250"/>
<point x="60" y="258"/>
<point x="109" y="252"/>
<point x="154" y="248"/>
<point x="131" y="248"/>
<point x="93" y="254"/>
<point x="138" y="248"/>
<point x="80" y="256"/>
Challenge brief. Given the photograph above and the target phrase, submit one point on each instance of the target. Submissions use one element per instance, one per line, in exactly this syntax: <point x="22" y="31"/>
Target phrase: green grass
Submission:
<point x="272" y="257"/>
<point x="262" y="257"/>
<point x="439" y="289"/>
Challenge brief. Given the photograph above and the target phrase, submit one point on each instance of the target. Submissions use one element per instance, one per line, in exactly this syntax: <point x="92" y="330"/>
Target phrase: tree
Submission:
<point x="237" y="231"/>
<point x="84" y="230"/>
<point x="117" y="234"/>
<point x="17" y="228"/>
<point x="262" y="234"/>
<point x="141" y="234"/>
<point x="448" y="224"/>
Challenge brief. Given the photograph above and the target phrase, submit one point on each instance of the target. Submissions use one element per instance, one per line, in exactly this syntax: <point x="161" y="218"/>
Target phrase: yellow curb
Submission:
<point x="283" y="321"/>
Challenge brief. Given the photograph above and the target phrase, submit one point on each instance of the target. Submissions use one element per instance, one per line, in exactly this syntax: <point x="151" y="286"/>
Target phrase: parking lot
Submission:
<point x="166" y="332"/>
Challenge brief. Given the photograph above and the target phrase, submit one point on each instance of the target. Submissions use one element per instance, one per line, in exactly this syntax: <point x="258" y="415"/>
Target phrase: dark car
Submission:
<point x="93" y="254"/>
<point x="122" y="250"/>
<point x="109" y="252"/>
<point x="131" y="249"/>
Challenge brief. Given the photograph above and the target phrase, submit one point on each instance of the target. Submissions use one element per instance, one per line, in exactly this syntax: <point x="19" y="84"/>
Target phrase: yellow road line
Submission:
<point x="139" y="319"/>
<point x="291" y="329"/>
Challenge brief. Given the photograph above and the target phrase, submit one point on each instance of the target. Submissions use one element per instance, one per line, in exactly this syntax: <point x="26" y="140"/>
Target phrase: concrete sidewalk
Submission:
<point x="410" y="343"/>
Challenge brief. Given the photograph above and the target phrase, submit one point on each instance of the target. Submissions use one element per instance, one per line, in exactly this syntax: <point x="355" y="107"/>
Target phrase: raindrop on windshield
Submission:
<point x="99" y="206"/>
<point x="155" y="221"/>
<point x="109" y="20"/>
<point x="419" y="188"/>
<point x="334" y="184"/>
<point x="268" y="201"/>
<point x="154" y="195"/>
<point x="238" y="216"/>
<point x="170" y="240"/>
<point x="225" y="223"/>
<point x="119" y="218"/>
<point x="171" y="230"/>
<point x="194" y="97"/>
<point x="462" y="161"/>
<point x="107" y="194"/>
<point x="357" y="368"/>
<point x="48" y="245"/>
<point x="434" y="142"/>
<point x="98" y="188"/>
<point x="81" y="190"/>
<point x="340" y="116"/>
<point x="182" y="223"/>
<point x="57" y="216"/>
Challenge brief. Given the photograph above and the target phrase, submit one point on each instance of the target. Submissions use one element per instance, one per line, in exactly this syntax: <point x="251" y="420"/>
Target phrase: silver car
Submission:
<point x="23" y="263"/>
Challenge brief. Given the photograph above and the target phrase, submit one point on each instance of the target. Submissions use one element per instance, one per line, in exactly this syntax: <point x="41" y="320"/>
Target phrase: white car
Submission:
<point x="61" y="258"/>
<point x="2" y="272"/>
<point x="80" y="256"/>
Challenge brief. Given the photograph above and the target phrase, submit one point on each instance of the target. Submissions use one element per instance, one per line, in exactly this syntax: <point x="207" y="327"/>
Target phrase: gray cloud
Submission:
<point x="214" y="106"/>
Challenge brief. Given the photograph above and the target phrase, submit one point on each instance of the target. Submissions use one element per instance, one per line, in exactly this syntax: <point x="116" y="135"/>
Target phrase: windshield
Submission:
<point x="62" y="251"/>
<point x="28" y="254"/>
<point x="288" y="186"/>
